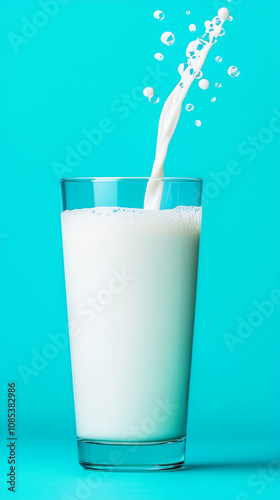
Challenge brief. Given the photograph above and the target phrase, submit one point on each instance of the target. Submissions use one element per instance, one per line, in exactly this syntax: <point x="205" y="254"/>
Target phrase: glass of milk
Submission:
<point x="131" y="283"/>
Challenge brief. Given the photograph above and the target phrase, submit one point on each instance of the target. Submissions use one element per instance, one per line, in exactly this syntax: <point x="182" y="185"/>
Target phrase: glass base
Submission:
<point x="115" y="456"/>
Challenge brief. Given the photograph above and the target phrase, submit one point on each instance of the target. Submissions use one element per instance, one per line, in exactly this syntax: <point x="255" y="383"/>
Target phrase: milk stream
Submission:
<point x="196" y="53"/>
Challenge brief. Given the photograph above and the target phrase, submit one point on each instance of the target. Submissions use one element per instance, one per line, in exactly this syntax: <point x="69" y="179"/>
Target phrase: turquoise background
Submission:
<point x="69" y="76"/>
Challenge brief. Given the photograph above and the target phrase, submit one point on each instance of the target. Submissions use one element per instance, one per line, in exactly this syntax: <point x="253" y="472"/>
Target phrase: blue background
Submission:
<point x="68" y="76"/>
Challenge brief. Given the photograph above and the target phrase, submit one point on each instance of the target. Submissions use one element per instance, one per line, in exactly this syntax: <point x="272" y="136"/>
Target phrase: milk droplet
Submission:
<point x="167" y="38"/>
<point x="188" y="12"/>
<point x="201" y="43"/>
<point x="218" y="59"/>
<point x="207" y="37"/>
<point x="230" y="18"/>
<point x="192" y="28"/>
<point x="216" y="21"/>
<point x="198" y="123"/>
<point x="212" y="38"/>
<point x="198" y="74"/>
<point x="154" y="99"/>
<point x="189" y="107"/>
<point x="233" y="71"/>
<point x="148" y="91"/>
<point x="191" y="48"/>
<point x="158" y="56"/>
<point x="182" y="67"/>
<point x="209" y="26"/>
<point x="218" y="85"/>
<point x="213" y="99"/>
<point x="222" y="32"/>
<point x="158" y="14"/>
<point x="223" y="13"/>
<point x="203" y="84"/>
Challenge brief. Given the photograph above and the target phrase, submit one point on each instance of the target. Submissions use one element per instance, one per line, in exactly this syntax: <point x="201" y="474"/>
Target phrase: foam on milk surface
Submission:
<point x="174" y="219"/>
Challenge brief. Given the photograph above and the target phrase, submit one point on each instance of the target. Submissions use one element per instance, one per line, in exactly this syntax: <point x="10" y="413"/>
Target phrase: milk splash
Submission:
<point x="196" y="53"/>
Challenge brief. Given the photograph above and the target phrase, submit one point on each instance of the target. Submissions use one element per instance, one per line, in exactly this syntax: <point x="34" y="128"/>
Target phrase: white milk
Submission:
<point x="196" y="53"/>
<point x="131" y="281"/>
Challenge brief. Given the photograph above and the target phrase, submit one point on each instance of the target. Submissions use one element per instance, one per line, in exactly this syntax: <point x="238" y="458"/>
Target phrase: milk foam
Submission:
<point x="179" y="218"/>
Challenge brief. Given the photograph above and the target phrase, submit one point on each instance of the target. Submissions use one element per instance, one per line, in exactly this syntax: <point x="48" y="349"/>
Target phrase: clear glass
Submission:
<point x="131" y="284"/>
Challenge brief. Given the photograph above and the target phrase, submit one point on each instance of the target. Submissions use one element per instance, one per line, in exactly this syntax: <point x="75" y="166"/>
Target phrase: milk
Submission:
<point x="196" y="53"/>
<point x="131" y="284"/>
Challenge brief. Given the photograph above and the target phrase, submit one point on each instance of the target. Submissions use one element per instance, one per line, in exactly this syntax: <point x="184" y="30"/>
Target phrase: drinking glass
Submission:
<point x="131" y="278"/>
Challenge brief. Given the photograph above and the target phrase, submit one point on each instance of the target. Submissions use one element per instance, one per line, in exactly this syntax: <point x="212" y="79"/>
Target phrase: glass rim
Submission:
<point x="111" y="179"/>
